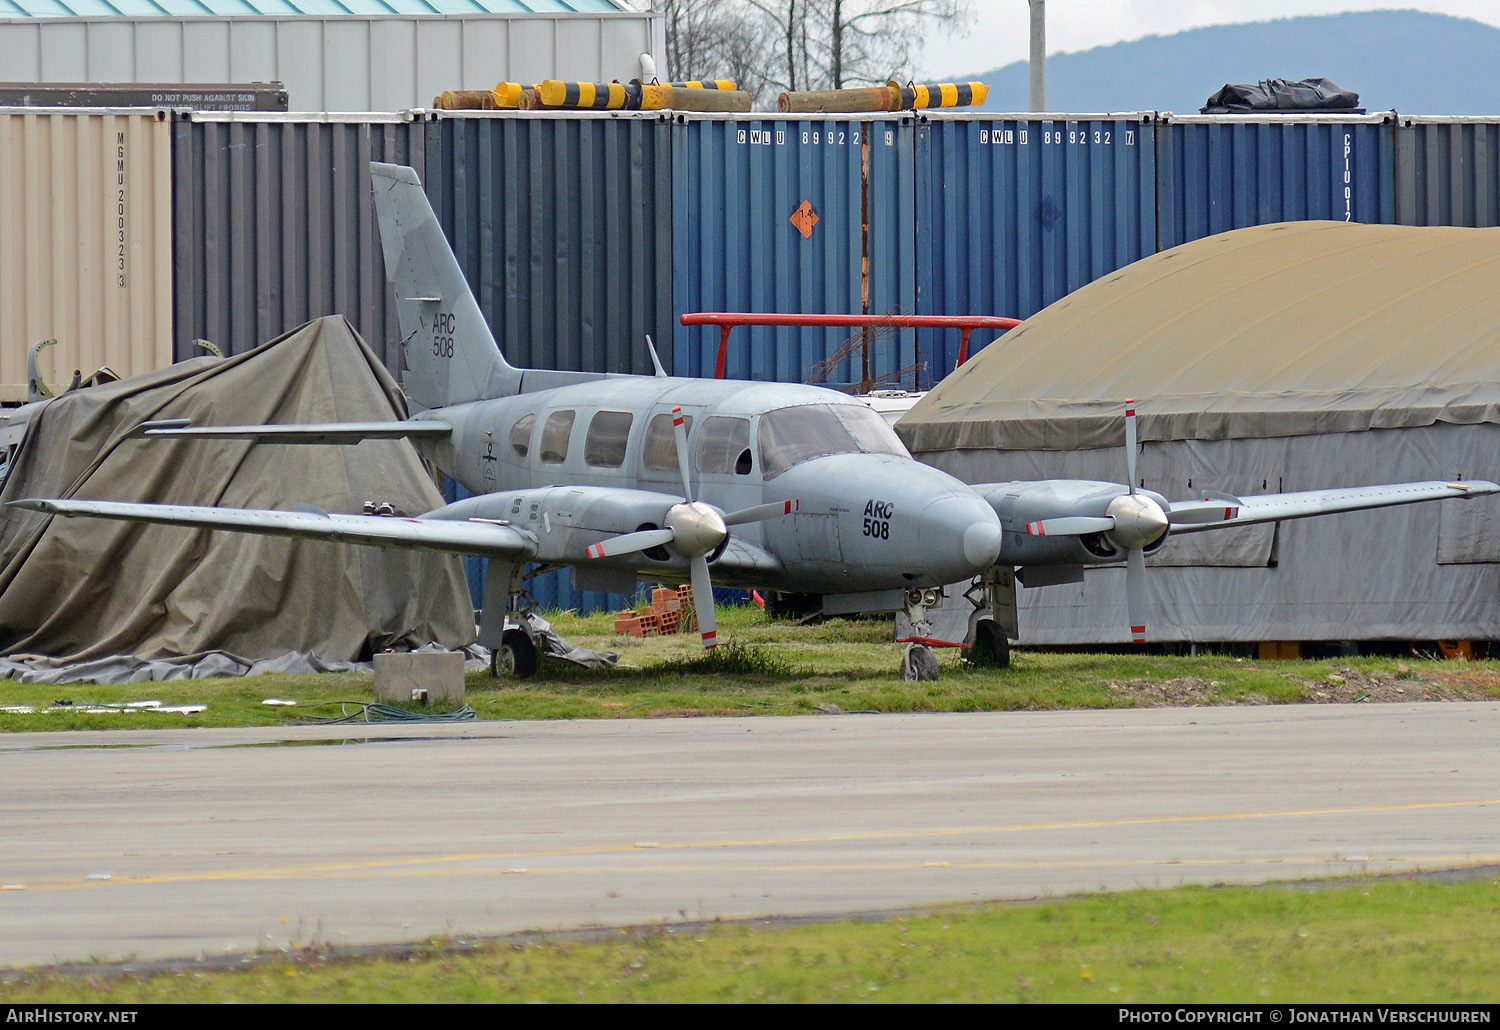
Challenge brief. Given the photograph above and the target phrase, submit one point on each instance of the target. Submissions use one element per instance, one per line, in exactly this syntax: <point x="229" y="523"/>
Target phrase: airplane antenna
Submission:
<point x="661" y="372"/>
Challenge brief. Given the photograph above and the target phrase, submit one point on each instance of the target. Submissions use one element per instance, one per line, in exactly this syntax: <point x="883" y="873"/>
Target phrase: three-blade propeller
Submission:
<point x="694" y="530"/>
<point x="1134" y="521"/>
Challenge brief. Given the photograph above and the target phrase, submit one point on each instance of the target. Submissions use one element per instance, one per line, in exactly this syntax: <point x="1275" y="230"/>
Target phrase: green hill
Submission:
<point x="1412" y="62"/>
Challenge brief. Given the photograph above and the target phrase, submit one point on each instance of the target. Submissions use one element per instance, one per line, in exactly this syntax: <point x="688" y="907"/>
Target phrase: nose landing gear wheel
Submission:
<point x="919" y="663"/>
<point x="515" y="658"/>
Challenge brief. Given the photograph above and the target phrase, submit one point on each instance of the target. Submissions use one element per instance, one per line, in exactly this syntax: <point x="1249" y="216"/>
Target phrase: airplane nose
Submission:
<point x="958" y="536"/>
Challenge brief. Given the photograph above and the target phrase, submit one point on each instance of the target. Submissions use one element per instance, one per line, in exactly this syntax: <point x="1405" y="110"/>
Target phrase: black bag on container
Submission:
<point x="1282" y="95"/>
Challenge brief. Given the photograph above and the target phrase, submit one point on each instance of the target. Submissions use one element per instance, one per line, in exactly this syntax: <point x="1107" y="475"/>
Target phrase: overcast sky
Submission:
<point x="999" y="32"/>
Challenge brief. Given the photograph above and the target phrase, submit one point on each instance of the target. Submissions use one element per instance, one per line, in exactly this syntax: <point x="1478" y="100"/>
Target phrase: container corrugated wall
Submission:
<point x="1218" y="173"/>
<point x="275" y="225"/>
<point x="563" y="225"/>
<point x="796" y="216"/>
<point x="85" y="243"/>
<point x="1017" y="211"/>
<point x="1448" y="171"/>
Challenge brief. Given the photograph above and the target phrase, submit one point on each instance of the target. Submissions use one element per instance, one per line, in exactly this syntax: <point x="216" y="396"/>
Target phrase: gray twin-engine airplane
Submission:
<point x="796" y="489"/>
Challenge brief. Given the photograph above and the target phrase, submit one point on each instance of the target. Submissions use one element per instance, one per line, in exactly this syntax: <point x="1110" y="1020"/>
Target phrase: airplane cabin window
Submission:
<point x="520" y="434"/>
<point x="791" y="435"/>
<point x="660" y="451"/>
<point x="604" y="447"/>
<point x="872" y="432"/>
<point x="555" y="433"/>
<point x="724" y="445"/>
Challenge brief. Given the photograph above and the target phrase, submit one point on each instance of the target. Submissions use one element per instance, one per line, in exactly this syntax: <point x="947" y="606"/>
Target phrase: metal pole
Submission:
<point x="1039" y="55"/>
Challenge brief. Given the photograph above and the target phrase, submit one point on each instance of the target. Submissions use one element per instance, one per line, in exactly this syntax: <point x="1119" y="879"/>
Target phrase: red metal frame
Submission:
<point x="727" y="320"/>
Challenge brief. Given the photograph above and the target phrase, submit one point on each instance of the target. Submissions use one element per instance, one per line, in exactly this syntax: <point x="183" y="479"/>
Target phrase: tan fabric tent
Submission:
<point x="79" y="588"/>
<point x="1276" y="358"/>
<point x="1274" y="330"/>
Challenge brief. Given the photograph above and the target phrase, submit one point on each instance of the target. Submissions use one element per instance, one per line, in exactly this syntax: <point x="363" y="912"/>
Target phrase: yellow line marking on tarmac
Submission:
<point x="335" y="870"/>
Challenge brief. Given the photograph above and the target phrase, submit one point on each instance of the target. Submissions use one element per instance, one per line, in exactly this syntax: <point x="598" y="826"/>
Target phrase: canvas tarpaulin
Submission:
<point x="1276" y="330"/>
<point x="79" y="589"/>
<point x="1278" y="358"/>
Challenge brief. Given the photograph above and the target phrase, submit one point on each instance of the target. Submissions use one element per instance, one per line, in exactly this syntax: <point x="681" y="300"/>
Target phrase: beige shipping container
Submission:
<point x="85" y="243"/>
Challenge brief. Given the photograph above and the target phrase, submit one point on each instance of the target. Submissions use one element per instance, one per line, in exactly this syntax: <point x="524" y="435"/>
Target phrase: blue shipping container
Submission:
<point x="562" y="224"/>
<point x="800" y="216"/>
<point x="1016" y="211"/>
<point x="1222" y="172"/>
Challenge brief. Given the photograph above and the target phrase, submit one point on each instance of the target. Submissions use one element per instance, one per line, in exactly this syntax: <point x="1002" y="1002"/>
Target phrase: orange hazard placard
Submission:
<point x="804" y="219"/>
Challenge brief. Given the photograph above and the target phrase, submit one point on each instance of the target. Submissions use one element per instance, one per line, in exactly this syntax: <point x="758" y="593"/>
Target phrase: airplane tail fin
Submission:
<point x="451" y="356"/>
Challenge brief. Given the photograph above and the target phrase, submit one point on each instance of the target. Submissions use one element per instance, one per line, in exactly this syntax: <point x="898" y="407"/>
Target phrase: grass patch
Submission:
<point x="765" y="667"/>
<point x="733" y="658"/>
<point x="1378" y="941"/>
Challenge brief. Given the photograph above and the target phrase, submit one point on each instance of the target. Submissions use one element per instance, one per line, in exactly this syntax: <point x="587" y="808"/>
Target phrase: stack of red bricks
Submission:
<point x="661" y="617"/>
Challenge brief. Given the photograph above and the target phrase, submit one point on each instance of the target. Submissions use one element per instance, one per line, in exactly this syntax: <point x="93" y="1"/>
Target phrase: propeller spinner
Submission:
<point x="694" y="530"/>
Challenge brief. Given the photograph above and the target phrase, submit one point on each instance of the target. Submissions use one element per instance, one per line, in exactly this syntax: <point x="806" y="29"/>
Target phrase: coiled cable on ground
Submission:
<point x="374" y="711"/>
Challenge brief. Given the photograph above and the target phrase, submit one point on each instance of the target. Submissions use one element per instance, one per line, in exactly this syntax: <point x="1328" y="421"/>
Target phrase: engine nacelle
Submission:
<point x="1022" y="503"/>
<point x="567" y="519"/>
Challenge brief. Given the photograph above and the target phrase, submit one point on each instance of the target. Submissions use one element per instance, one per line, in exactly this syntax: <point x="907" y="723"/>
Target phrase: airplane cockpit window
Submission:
<point x="724" y="445"/>
<point x="520" y="434"/>
<point x="555" y="433"/>
<point x="661" y="443"/>
<point x="872" y="432"/>
<point x="604" y="447"/>
<point x="792" y="435"/>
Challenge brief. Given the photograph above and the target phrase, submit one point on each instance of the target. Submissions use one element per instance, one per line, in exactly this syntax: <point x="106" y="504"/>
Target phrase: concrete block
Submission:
<point x="435" y="678"/>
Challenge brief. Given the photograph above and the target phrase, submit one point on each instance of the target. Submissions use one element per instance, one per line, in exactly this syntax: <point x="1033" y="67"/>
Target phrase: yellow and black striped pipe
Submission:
<point x="729" y="84"/>
<point x="590" y="96"/>
<point x="507" y="95"/>
<point x="918" y="96"/>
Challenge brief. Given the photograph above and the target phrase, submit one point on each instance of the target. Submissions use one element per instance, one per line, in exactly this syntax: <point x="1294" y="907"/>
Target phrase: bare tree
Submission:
<point x="812" y="44"/>
<point x="712" y="39"/>
<point x="872" y="41"/>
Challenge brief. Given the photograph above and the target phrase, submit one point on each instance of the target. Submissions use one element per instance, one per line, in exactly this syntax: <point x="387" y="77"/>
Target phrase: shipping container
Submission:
<point x="1448" y="171"/>
<point x="1018" y="211"/>
<point x="798" y="216"/>
<point x="1222" y="172"/>
<point x="563" y="225"/>
<point x="85" y="243"/>
<point x="275" y="225"/>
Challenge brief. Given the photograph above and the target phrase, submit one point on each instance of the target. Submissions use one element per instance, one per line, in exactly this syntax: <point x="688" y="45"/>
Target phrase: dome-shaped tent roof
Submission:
<point x="1275" y="330"/>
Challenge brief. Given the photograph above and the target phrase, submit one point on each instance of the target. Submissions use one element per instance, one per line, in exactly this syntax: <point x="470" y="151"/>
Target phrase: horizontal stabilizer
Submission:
<point x="314" y="433"/>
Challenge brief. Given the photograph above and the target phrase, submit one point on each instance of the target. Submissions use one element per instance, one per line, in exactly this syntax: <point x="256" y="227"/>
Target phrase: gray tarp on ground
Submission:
<point x="1279" y="358"/>
<point x="79" y="589"/>
<point x="1275" y="330"/>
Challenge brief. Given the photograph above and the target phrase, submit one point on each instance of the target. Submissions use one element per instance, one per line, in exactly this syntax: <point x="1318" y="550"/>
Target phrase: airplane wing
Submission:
<point x="453" y="536"/>
<point x="318" y="432"/>
<point x="1216" y="513"/>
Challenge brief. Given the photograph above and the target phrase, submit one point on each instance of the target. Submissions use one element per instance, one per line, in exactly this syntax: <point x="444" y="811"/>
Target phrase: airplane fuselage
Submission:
<point x="868" y="517"/>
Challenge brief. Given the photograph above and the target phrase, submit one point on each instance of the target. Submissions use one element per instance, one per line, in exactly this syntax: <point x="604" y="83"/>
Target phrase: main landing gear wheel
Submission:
<point x="991" y="648"/>
<point x="919" y="663"/>
<point x="515" y="658"/>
